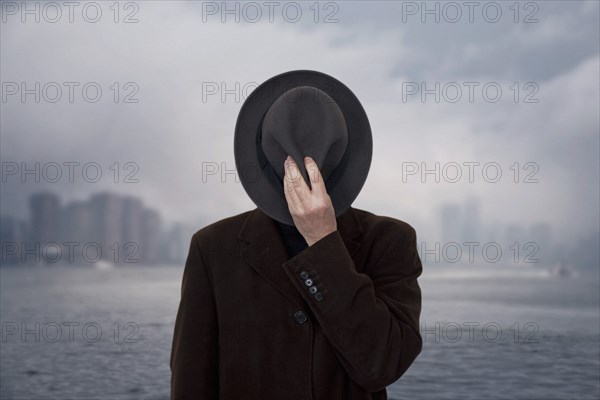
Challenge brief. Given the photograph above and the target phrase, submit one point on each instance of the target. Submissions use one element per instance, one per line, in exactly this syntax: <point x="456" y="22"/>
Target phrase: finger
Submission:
<point x="291" y="202"/>
<point x="298" y="181"/>
<point x="316" y="179"/>
<point x="289" y="190"/>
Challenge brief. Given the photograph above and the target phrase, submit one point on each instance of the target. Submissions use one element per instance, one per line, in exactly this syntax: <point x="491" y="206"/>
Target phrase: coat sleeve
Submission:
<point x="194" y="352"/>
<point x="372" y="321"/>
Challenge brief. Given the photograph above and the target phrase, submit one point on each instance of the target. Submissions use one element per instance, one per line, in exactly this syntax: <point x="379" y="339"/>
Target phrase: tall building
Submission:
<point x="45" y="218"/>
<point x="13" y="236"/>
<point x="514" y="246"/>
<point x="132" y="228"/>
<point x="471" y="222"/>
<point x="152" y="229"/>
<point x="178" y="243"/>
<point x="451" y="223"/>
<point x="107" y="209"/>
<point x="543" y="248"/>
<point x="108" y="227"/>
<point x="77" y="228"/>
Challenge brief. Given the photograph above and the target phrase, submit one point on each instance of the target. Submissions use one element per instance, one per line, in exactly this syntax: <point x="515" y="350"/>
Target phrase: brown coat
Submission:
<point x="250" y="327"/>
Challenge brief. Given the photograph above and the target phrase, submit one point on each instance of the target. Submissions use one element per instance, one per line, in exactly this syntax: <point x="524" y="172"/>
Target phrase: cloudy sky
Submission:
<point x="543" y="56"/>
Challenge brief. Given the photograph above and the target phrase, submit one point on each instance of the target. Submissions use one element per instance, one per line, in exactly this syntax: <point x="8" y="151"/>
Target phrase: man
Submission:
<point x="303" y="297"/>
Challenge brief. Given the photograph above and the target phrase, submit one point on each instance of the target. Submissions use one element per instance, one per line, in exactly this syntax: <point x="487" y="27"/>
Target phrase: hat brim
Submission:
<point x="263" y="186"/>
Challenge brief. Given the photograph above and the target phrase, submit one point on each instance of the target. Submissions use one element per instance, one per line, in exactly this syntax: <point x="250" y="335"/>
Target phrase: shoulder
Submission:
<point x="224" y="229"/>
<point x="386" y="238"/>
<point x="384" y="226"/>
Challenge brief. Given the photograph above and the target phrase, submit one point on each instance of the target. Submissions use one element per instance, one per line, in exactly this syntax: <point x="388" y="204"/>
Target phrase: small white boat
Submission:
<point x="104" y="265"/>
<point x="563" y="270"/>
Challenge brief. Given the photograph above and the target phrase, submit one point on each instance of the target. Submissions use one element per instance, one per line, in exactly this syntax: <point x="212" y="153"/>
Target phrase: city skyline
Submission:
<point x="122" y="229"/>
<point x="108" y="227"/>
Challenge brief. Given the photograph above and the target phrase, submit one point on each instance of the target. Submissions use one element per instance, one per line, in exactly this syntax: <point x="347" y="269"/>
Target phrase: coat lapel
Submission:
<point x="264" y="250"/>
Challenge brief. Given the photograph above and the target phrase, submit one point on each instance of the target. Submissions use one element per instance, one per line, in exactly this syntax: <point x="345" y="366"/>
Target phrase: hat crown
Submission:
<point x="264" y="136"/>
<point x="304" y="121"/>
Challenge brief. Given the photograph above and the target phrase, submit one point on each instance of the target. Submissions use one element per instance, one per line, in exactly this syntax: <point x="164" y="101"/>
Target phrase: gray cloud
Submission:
<point x="171" y="132"/>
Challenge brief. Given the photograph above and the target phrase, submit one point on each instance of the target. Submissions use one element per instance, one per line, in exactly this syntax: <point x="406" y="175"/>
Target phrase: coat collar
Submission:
<point x="262" y="246"/>
<point x="258" y="229"/>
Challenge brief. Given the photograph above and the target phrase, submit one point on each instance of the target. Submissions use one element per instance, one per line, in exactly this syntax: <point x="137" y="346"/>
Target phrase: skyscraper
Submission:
<point x="45" y="217"/>
<point x="151" y="237"/>
<point x="107" y="209"/>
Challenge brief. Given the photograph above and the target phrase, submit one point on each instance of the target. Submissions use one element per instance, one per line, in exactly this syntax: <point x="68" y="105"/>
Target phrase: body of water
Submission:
<point x="89" y="333"/>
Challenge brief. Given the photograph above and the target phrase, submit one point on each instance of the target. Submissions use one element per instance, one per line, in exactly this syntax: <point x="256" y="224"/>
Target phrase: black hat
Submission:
<point x="302" y="113"/>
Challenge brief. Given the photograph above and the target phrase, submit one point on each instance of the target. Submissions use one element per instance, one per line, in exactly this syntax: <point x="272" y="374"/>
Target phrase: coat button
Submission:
<point x="303" y="274"/>
<point x="308" y="282"/>
<point x="318" y="296"/>
<point x="300" y="317"/>
<point x="312" y="290"/>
